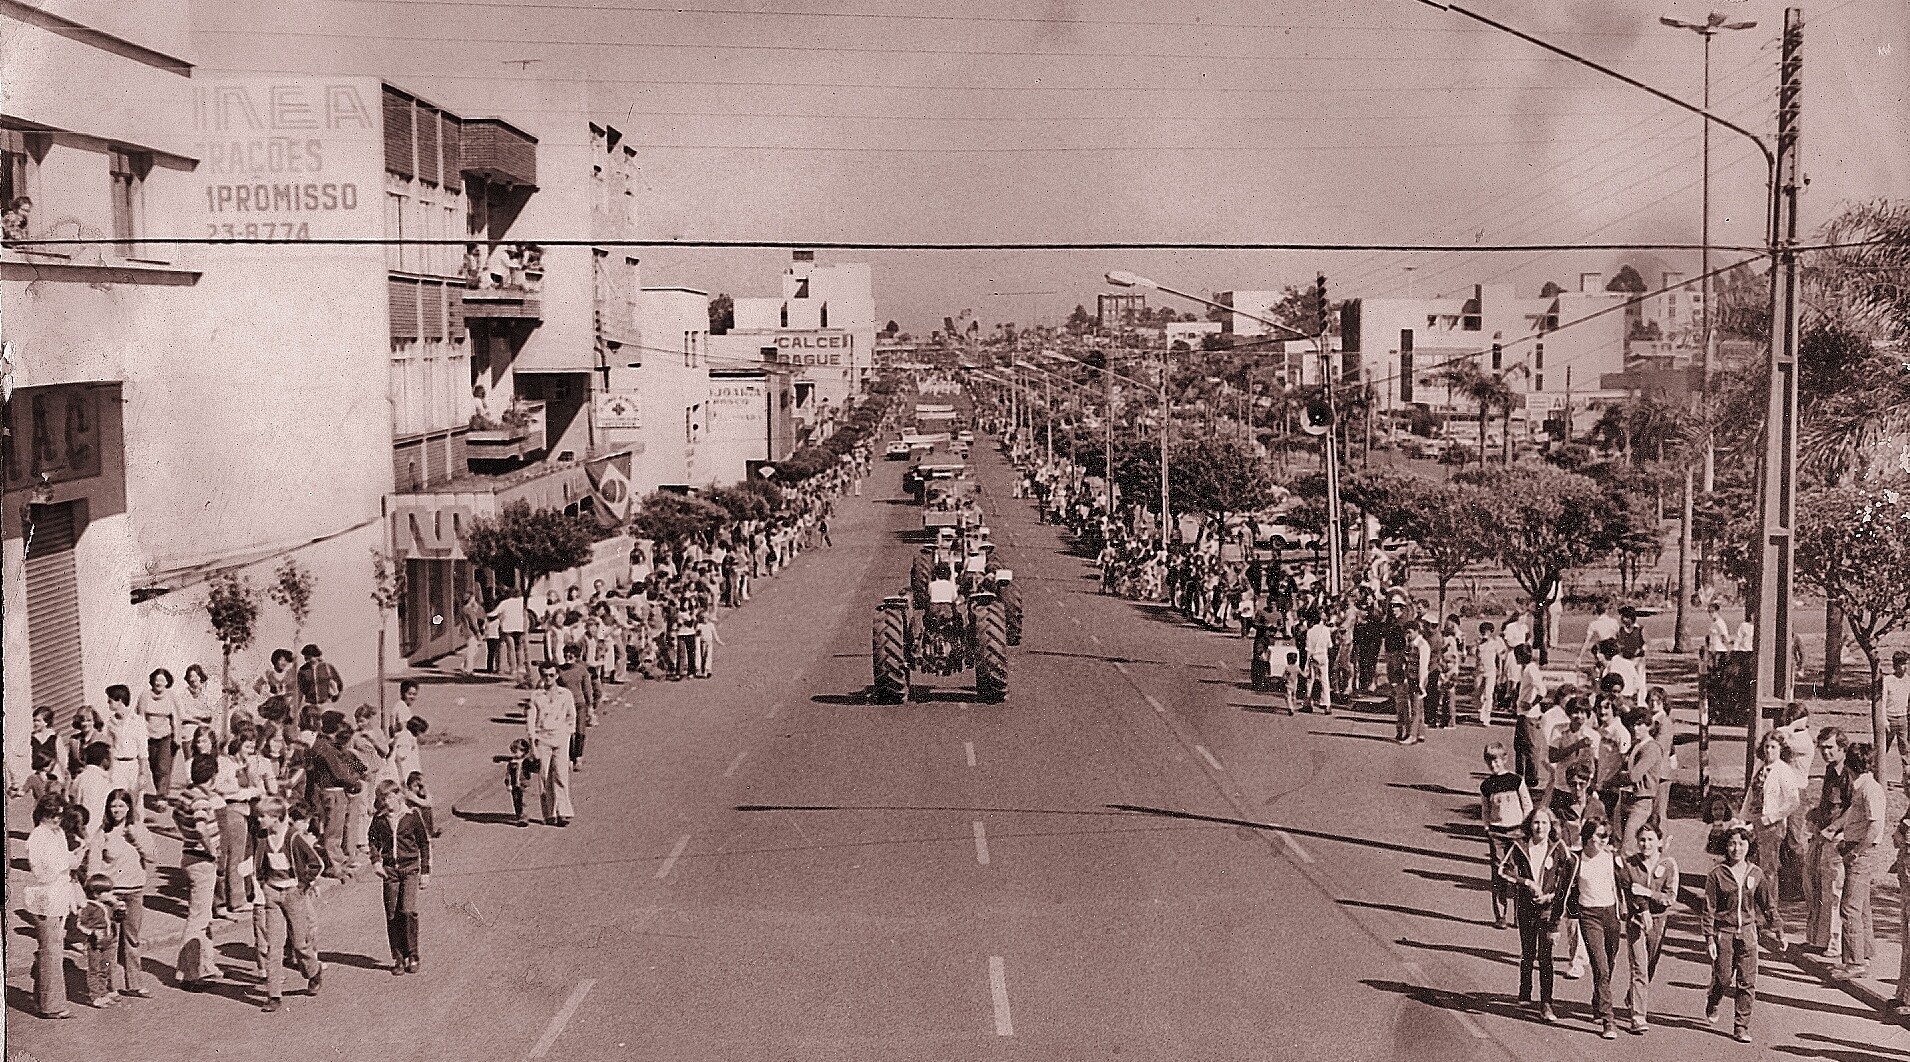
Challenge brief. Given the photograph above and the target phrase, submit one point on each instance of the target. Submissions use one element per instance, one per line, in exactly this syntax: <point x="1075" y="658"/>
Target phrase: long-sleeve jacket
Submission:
<point x="1552" y="869"/>
<point x="1644" y="765"/>
<point x="551" y="717"/>
<point x="305" y="864"/>
<point x="1731" y="909"/>
<point x="328" y="767"/>
<point x="1660" y="882"/>
<point x="405" y="848"/>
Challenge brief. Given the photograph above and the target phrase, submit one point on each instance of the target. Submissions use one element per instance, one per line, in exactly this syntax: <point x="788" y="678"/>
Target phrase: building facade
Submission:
<point x="822" y="329"/>
<point x="1549" y="350"/>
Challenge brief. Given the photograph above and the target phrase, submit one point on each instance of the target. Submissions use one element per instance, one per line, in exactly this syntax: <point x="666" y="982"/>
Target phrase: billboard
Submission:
<point x="288" y="158"/>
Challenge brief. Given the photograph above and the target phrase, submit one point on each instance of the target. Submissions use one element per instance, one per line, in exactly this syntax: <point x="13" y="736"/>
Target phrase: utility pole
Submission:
<point x="1107" y="467"/>
<point x="1778" y="501"/>
<point x="1167" y="419"/>
<point x="1047" y="413"/>
<point x="1328" y="377"/>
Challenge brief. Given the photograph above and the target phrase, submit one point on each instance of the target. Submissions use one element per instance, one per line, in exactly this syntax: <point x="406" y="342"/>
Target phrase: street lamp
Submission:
<point x="1123" y="279"/>
<point x="1777" y="501"/>
<point x="1713" y="24"/>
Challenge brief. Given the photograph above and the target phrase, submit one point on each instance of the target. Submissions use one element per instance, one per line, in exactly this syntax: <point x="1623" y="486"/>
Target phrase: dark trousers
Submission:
<point x="1535" y="951"/>
<point x="1499" y="841"/>
<point x="1603" y="934"/>
<point x="333" y="803"/>
<point x="159" y="754"/>
<point x="1735" y="968"/>
<point x="401" y="915"/>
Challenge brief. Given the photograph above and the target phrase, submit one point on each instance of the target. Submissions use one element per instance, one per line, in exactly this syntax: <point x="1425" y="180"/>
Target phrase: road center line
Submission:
<point x="1095" y="638"/>
<point x="1209" y="757"/>
<point x="735" y="763"/>
<point x="1122" y="668"/>
<point x="998" y="987"/>
<point x="669" y="862"/>
<point x="981" y="844"/>
<point x="968" y="749"/>
<point x="1294" y="846"/>
<point x="1154" y="703"/>
<point x="561" y="1019"/>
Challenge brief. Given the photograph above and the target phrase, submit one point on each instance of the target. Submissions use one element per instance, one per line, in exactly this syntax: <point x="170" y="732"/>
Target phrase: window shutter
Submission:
<point x="404" y="308"/>
<point x="399" y="142"/>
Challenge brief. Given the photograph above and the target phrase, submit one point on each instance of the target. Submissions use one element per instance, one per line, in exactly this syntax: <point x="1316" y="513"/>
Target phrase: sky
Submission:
<point x="1366" y="121"/>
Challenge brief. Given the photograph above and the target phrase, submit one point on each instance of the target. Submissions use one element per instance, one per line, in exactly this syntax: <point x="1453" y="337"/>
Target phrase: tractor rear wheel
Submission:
<point x="991" y="652"/>
<point x="1010" y="594"/>
<point x="891" y="655"/>
<point x="920" y="572"/>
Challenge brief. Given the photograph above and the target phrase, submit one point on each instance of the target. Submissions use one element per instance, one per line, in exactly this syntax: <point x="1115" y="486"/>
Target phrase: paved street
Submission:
<point x="765" y="866"/>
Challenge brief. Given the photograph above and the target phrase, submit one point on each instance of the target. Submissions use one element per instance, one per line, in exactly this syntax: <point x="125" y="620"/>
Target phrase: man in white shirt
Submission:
<point x="550" y="718"/>
<point x="1486" y="659"/>
<point x="1896" y="710"/>
<point x="1319" y="665"/>
<point x="1603" y="626"/>
<point x="1577" y="741"/>
<point x="128" y="733"/>
<point x="509" y="614"/>
<point x="93" y="784"/>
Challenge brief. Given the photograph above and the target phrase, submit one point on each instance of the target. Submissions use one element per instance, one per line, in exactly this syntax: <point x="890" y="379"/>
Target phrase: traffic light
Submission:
<point x="1319" y="290"/>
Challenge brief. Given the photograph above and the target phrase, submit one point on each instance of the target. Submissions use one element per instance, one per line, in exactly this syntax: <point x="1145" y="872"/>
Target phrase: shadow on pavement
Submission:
<point x="1416" y="912"/>
<point x="1367" y="842"/>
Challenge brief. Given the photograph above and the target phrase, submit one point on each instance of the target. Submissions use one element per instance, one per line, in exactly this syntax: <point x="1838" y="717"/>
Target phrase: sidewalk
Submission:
<point x="472" y="717"/>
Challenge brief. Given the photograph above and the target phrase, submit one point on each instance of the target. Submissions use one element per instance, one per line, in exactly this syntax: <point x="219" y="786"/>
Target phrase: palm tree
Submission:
<point x="1487" y="391"/>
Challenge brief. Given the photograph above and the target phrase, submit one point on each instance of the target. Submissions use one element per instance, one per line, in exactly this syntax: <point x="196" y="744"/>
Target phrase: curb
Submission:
<point x="1864" y="991"/>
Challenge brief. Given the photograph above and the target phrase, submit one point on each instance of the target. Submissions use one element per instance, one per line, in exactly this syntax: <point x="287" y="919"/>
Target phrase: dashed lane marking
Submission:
<point x="981" y="844"/>
<point x="968" y="750"/>
<point x="1154" y="703"/>
<point x="1209" y="757"/>
<point x="1293" y="845"/>
<point x="998" y="988"/>
<point x="1122" y="668"/>
<point x="1095" y="638"/>
<point x="730" y="772"/>
<point x="669" y="862"/>
<point x="561" y="1019"/>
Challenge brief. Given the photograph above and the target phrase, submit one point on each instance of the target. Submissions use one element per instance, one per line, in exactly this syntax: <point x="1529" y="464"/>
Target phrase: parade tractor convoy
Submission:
<point x="961" y="611"/>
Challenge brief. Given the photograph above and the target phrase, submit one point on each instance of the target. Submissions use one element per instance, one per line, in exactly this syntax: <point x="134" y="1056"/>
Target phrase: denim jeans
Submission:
<point x="278" y="912"/>
<point x="401" y="915"/>
<point x="130" y="959"/>
<point x="49" y="964"/>
<point x="1860" y="872"/>
<point x="1643" y="946"/>
<point x="1603" y="933"/>
<point x="1734" y="968"/>
<point x="196" y="960"/>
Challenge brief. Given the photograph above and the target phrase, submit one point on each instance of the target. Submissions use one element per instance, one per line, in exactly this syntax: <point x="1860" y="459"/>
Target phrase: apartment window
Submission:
<point x="689" y="425"/>
<point x="19" y="179"/>
<point x="395" y="256"/>
<point x="129" y="169"/>
<point x="1538" y="366"/>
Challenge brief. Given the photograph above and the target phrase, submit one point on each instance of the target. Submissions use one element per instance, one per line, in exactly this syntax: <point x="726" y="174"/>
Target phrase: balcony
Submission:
<point x="499" y="152"/>
<point x="508" y="439"/>
<point x="504" y="282"/>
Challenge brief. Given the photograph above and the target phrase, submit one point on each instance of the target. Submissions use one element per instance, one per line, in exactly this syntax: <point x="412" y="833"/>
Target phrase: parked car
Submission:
<point x="896" y="451"/>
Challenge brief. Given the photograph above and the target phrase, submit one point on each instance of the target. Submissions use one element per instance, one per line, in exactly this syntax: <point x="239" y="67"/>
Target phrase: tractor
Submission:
<point x="913" y="632"/>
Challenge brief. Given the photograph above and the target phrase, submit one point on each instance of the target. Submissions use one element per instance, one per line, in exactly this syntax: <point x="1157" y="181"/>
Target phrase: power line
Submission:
<point x="1329" y="90"/>
<point x="851" y="245"/>
<point x="1103" y="149"/>
<point x="1496" y="206"/>
<point x="993" y="53"/>
<point x="967" y="19"/>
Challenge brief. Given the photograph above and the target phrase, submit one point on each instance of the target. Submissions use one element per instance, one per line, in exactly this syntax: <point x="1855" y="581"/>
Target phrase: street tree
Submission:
<point x="1853" y="543"/>
<point x="1442" y="521"/>
<point x="1221" y="475"/>
<point x="528" y="543"/>
<point x="1540" y="522"/>
<point x="232" y="606"/>
<point x="1080" y="321"/>
<point x="292" y="589"/>
<point x="677" y="518"/>
<point x="741" y="501"/>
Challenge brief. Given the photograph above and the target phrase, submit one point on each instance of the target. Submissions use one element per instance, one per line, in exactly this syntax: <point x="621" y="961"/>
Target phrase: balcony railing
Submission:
<point x="518" y="434"/>
<point x="503" y="280"/>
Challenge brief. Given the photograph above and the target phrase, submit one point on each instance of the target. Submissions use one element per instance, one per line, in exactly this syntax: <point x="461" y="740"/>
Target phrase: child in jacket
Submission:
<point x="1737" y="899"/>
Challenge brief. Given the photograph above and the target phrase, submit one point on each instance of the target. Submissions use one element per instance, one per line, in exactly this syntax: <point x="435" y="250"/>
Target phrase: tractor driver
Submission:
<point x="941" y="600"/>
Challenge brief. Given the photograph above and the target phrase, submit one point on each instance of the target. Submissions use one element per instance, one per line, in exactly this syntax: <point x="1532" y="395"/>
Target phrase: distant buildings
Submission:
<point x="821" y="329"/>
<point x="1115" y="310"/>
<point x="1547" y="349"/>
